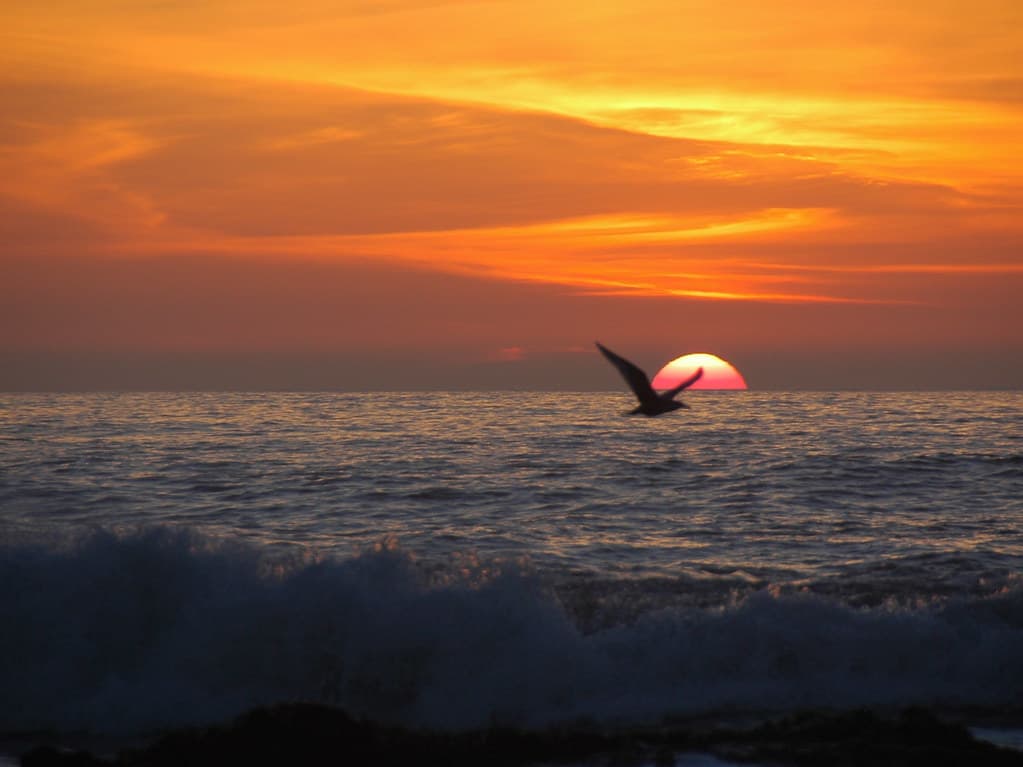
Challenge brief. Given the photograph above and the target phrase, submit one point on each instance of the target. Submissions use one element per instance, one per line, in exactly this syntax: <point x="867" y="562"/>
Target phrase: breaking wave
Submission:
<point x="140" y="631"/>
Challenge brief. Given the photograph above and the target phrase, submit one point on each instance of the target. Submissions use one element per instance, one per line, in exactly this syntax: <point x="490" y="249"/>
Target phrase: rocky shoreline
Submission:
<point x="311" y="734"/>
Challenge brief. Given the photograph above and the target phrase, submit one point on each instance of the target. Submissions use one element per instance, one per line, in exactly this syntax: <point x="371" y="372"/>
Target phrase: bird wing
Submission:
<point x="636" y="378"/>
<point x="684" y="385"/>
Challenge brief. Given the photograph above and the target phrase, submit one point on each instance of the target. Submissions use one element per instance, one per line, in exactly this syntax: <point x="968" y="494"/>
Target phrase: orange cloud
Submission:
<point x="860" y="160"/>
<point x="67" y="167"/>
<point x="507" y="354"/>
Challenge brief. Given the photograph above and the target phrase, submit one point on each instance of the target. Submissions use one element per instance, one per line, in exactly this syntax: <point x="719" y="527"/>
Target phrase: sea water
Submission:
<point x="459" y="560"/>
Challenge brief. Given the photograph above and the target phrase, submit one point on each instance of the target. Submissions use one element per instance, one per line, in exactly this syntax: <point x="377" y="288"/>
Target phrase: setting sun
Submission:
<point x="717" y="374"/>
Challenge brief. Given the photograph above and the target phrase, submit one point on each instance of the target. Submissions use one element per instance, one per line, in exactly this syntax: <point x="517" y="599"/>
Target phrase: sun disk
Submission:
<point x="717" y="374"/>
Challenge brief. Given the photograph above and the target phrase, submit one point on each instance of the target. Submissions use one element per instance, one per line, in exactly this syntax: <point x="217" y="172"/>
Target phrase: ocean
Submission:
<point x="449" y="561"/>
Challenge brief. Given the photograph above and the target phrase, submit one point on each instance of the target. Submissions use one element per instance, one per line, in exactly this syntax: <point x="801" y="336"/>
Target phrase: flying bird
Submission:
<point x="651" y="403"/>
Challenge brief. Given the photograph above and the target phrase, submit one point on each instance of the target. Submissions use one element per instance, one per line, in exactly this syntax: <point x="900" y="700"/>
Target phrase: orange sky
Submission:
<point x="320" y="194"/>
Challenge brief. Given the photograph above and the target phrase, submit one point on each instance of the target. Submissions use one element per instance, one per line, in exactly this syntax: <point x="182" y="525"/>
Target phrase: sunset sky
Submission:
<point x="406" y="195"/>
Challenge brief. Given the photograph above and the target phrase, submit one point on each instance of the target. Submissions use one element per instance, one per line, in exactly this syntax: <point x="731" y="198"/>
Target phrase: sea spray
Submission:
<point x="162" y="627"/>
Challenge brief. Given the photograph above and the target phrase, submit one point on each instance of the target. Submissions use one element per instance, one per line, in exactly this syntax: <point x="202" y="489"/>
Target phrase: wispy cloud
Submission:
<point x="507" y="354"/>
<point x="859" y="163"/>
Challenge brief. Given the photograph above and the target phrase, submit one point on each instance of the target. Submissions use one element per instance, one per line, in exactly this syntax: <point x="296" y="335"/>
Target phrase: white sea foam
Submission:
<point x="164" y="627"/>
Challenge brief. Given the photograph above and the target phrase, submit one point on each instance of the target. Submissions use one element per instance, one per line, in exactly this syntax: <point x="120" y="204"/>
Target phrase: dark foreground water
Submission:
<point x="457" y="560"/>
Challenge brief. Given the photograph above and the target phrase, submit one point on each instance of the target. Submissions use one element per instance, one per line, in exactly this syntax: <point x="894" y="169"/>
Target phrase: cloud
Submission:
<point x="320" y="173"/>
<point x="507" y="354"/>
<point x="69" y="168"/>
<point x="452" y="176"/>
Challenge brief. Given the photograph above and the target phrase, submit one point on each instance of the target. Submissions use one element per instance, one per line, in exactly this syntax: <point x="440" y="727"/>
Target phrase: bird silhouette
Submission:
<point x="651" y="403"/>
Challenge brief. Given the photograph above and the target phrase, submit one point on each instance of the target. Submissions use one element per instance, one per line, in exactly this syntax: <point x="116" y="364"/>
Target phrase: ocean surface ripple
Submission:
<point x="449" y="560"/>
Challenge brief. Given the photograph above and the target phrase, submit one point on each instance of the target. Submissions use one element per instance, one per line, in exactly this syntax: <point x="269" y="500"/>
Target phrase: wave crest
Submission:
<point x="157" y="628"/>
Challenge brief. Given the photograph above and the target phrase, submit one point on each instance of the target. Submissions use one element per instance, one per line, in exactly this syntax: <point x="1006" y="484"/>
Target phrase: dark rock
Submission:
<point x="915" y="737"/>
<point x="312" y="735"/>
